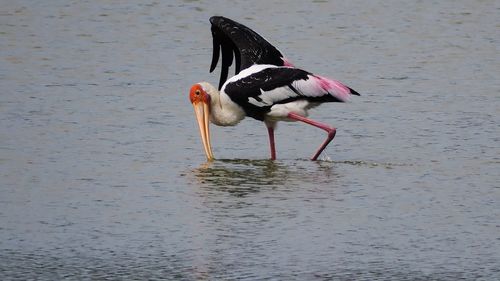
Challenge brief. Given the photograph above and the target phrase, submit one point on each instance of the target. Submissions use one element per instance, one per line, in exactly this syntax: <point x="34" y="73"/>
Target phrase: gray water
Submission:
<point x="103" y="174"/>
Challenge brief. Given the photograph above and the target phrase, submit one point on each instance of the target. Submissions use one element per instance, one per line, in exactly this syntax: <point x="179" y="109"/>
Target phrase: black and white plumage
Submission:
<point x="262" y="88"/>
<point x="266" y="86"/>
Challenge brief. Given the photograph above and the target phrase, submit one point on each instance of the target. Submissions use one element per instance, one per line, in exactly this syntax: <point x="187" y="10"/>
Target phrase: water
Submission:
<point x="103" y="174"/>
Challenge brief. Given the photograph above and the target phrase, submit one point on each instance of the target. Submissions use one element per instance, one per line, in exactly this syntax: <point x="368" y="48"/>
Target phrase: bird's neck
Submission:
<point x="223" y="111"/>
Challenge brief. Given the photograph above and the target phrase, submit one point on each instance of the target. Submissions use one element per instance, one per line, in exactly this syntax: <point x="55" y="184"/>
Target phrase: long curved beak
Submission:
<point x="202" y="112"/>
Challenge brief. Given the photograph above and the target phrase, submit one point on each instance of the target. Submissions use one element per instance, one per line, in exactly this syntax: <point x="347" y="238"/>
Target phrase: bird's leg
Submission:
<point x="270" y="130"/>
<point x="330" y="130"/>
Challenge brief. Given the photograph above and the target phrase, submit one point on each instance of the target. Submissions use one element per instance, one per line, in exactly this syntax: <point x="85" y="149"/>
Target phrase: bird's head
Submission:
<point x="201" y="103"/>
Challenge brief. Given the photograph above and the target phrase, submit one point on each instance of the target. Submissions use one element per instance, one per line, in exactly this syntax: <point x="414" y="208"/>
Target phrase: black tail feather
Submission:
<point x="354" y="92"/>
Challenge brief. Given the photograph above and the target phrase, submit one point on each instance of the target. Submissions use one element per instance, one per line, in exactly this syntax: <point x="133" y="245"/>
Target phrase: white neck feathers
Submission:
<point x="223" y="111"/>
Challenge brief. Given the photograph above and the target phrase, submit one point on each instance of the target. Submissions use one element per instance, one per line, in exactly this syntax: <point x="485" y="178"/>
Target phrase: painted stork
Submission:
<point x="266" y="86"/>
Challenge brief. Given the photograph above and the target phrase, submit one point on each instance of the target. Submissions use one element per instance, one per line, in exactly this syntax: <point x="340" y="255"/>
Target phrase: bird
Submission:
<point x="266" y="86"/>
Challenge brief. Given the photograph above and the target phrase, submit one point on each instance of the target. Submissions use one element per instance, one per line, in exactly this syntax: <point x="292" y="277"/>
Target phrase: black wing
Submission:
<point x="249" y="48"/>
<point x="259" y="91"/>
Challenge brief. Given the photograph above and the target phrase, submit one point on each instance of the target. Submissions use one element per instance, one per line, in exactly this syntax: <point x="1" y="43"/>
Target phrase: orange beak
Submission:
<point x="202" y="112"/>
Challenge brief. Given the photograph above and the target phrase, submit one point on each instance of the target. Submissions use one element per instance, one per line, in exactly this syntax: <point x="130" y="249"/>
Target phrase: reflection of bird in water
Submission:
<point x="241" y="177"/>
<point x="266" y="86"/>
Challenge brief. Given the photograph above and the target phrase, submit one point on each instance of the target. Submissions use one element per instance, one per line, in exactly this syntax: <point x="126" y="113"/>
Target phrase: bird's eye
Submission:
<point x="197" y="92"/>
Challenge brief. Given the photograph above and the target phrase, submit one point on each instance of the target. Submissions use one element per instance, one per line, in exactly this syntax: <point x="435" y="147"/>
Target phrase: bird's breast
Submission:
<point x="226" y="114"/>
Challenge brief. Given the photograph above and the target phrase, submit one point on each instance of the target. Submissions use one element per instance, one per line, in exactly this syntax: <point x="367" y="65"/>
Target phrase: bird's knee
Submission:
<point x="331" y="132"/>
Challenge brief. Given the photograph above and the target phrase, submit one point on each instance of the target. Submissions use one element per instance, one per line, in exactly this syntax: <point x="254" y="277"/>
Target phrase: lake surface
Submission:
<point x="103" y="176"/>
